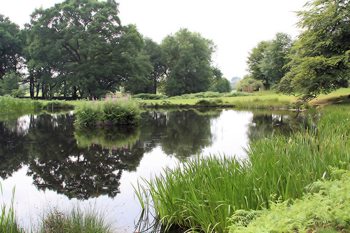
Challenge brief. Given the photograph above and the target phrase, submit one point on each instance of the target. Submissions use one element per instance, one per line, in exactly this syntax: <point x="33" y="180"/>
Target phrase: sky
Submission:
<point x="235" y="26"/>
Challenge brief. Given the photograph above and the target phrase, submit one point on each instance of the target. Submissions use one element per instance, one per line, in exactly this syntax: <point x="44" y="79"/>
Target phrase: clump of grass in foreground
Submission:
<point x="75" y="222"/>
<point x="8" y="222"/>
<point x="324" y="208"/>
<point x="109" y="112"/>
<point x="203" y="194"/>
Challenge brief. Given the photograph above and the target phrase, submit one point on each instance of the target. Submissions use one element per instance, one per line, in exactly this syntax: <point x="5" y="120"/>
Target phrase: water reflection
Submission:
<point x="85" y="164"/>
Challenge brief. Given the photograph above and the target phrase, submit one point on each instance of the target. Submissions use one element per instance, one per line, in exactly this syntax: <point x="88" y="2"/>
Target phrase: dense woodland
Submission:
<point x="81" y="49"/>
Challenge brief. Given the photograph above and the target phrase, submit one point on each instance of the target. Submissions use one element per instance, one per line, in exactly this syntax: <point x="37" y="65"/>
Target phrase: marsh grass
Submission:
<point x="203" y="193"/>
<point x="74" y="222"/>
<point x="106" y="113"/>
<point x="8" y="222"/>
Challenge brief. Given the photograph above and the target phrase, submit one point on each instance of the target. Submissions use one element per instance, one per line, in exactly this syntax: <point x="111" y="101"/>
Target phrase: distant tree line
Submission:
<point x="80" y="49"/>
<point x="316" y="62"/>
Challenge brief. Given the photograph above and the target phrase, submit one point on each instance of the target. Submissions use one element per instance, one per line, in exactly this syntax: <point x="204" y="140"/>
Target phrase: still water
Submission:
<point x="52" y="165"/>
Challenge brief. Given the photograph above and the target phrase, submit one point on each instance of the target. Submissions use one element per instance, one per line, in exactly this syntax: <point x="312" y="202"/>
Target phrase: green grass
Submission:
<point x="8" y="222"/>
<point x="325" y="208"/>
<point x="10" y="105"/>
<point x="261" y="100"/>
<point x="74" y="222"/>
<point x="203" y="194"/>
<point x="107" y="113"/>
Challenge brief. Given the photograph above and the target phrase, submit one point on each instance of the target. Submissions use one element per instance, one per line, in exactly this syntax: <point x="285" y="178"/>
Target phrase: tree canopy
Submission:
<point x="320" y="56"/>
<point x="10" y="46"/>
<point x="188" y="61"/>
<point x="267" y="60"/>
<point x="82" y="47"/>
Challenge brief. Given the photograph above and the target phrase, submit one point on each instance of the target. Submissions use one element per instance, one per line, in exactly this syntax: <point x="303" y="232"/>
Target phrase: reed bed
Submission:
<point x="201" y="195"/>
<point x="106" y="113"/>
<point x="74" y="222"/>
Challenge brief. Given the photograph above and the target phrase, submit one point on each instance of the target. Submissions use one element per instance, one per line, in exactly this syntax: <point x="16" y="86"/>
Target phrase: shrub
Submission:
<point x="109" y="112"/>
<point x="149" y="96"/>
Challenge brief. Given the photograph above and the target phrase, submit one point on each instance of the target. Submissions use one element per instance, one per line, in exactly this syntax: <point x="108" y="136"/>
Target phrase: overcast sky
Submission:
<point x="235" y="26"/>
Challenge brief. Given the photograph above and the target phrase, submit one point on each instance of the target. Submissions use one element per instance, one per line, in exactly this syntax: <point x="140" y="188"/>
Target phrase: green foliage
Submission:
<point x="9" y="85"/>
<point x="249" y="84"/>
<point x="8" y="222"/>
<point x="157" y="59"/>
<point x="320" y="57"/>
<point x="267" y="61"/>
<point x="188" y="59"/>
<point x="322" y="211"/>
<point x="221" y="85"/>
<point x="111" y="112"/>
<point x="18" y="106"/>
<point x="148" y="96"/>
<point x="83" y="45"/>
<point x="203" y="193"/>
<point x="75" y="222"/>
<point x="208" y="103"/>
<point x="10" y="46"/>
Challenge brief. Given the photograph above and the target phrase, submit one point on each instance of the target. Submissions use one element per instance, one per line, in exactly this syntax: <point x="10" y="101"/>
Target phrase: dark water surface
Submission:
<point x="52" y="165"/>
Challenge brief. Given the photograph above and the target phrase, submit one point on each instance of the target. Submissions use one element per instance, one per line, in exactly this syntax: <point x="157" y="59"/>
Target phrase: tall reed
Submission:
<point x="8" y="222"/>
<point x="203" y="194"/>
<point x="74" y="222"/>
<point x="110" y="112"/>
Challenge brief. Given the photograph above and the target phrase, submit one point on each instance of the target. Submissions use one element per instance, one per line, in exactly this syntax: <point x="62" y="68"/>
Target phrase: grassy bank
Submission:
<point x="203" y="194"/>
<point x="261" y="100"/>
<point x="12" y="108"/>
<point x="107" y="113"/>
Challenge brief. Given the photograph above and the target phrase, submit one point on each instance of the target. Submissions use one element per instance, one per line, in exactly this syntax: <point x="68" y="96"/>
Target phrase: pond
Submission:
<point x="52" y="165"/>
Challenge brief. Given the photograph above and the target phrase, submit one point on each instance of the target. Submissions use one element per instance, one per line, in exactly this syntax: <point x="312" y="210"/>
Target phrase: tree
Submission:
<point x="10" y="46"/>
<point x="80" y="47"/>
<point x="157" y="59"/>
<point x="267" y="62"/>
<point x="188" y="59"/>
<point x="219" y="83"/>
<point x="273" y="64"/>
<point x="9" y="85"/>
<point x="320" y="57"/>
<point x="249" y="84"/>
<point x="254" y="62"/>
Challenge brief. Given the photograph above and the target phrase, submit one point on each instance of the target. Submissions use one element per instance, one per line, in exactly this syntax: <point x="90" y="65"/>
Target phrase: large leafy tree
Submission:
<point x="10" y="46"/>
<point x="267" y="62"/>
<point x="188" y="59"/>
<point x="80" y="47"/>
<point x="320" y="57"/>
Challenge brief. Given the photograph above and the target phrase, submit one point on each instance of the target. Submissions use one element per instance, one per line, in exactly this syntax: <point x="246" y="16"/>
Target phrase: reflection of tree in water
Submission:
<point x="77" y="172"/>
<point x="57" y="163"/>
<point x="12" y="151"/>
<point x="266" y="124"/>
<point x="87" y="173"/>
<point x="187" y="133"/>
